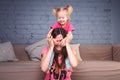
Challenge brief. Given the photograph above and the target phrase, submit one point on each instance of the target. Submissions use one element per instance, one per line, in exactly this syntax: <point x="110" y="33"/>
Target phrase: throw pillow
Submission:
<point x="76" y="47"/>
<point x="7" y="52"/>
<point x="34" y="50"/>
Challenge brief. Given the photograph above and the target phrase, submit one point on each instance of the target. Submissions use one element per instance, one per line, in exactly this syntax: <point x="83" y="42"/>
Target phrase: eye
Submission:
<point x="60" y="40"/>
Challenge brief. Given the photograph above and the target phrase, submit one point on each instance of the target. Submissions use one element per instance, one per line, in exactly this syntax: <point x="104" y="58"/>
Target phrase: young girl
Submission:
<point x="63" y="16"/>
<point x="58" y="61"/>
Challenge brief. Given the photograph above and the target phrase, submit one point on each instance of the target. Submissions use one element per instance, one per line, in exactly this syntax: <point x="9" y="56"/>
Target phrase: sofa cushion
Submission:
<point x="96" y="52"/>
<point x="7" y="52"/>
<point x="116" y="52"/>
<point x="21" y="70"/>
<point x="97" y="70"/>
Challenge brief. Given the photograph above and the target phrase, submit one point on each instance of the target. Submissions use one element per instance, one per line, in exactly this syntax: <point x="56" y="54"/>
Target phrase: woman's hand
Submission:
<point x="50" y="41"/>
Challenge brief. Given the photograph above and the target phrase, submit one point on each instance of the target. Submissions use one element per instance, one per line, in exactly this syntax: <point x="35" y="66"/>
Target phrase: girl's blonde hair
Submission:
<point x="68" y="8"/>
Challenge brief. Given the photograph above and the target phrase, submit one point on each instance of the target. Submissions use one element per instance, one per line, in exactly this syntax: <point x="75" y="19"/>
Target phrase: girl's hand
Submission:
<point x="63" y="42"/>
<point x="66" y="40"/>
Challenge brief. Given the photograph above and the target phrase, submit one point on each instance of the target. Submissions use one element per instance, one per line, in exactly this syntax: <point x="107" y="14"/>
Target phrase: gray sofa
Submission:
<point x="100" y="62"/>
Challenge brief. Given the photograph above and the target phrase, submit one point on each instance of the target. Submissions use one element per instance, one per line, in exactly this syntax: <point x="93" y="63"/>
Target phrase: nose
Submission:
<point x="58" y="42"/>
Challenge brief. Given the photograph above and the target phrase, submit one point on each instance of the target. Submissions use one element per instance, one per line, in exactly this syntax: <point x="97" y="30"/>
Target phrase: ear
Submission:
<point x="54" y="11"/>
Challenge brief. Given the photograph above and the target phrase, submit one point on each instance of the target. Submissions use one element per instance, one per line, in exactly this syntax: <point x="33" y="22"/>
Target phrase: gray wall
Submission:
<point x="28" y="21"/>
<point x="116" y="21"/>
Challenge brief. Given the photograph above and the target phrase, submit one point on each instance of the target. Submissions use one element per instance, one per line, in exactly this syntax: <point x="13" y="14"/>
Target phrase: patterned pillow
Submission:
<point x="7" y="52"/>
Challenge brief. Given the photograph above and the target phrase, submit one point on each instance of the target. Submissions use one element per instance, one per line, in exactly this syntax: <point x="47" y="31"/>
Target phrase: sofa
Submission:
<point x="99" y="62"/>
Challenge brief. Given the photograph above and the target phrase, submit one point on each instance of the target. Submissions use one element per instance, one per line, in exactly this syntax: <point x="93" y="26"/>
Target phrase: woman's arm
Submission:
<point x="45" y="60"/>
<point x="71" y="54"/>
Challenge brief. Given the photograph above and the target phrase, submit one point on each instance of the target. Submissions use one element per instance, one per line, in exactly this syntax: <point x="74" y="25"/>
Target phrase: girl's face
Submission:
<point x="57" y="42"/>
<point x="62" y="17"/>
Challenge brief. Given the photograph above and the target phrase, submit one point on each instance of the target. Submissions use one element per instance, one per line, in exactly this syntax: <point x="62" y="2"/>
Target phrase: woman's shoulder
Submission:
<point x="45" y="50"/>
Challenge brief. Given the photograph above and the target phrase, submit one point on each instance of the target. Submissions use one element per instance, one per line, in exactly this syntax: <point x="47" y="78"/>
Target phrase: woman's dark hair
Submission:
<point x="58" y="31"/>
<point x="63" y="52"/>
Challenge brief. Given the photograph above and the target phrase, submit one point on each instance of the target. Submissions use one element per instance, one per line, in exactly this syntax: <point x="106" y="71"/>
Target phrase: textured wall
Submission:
<point x="115" y="17"/>
<point x="28" y="21"/>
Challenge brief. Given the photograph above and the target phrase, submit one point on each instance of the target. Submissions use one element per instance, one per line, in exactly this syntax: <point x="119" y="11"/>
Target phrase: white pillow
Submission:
<point x="76" y="47"/>
<point x="34" y="50"/>
<point x="7" y="52"/>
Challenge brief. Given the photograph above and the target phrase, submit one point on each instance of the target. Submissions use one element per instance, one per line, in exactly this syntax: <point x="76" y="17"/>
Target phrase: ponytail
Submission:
<point x="68" y="8"/>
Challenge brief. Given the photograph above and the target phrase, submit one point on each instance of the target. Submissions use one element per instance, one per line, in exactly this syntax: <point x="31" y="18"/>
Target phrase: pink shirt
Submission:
<point x="68" y="27"/>
<point x="50" y="76"/>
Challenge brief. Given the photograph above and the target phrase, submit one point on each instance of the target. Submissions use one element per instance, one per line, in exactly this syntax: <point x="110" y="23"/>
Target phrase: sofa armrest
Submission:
<point x="22" y="70"/>
<point x="116" y="52"/>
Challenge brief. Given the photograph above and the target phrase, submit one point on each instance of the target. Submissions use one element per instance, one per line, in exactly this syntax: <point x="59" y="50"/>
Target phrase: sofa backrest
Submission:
<point x="20" y="52"/>
<point x="96" y="52"/>
<point x="87" y="52"/>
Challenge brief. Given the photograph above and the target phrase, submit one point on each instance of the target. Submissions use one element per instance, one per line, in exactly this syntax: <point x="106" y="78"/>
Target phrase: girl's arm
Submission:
<point x="69" y="36"/>
<point x="45" y="60"/>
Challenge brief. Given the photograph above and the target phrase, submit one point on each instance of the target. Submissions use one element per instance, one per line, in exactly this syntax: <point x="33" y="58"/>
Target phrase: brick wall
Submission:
<point x="115" y="17"/>
<point x="28" y="21"/>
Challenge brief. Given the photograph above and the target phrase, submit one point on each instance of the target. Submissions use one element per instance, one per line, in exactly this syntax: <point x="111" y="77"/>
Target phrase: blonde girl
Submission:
<point x="63" y="15"/>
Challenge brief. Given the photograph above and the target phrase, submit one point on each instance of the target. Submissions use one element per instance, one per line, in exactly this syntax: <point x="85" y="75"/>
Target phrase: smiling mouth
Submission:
<point x="58" y="46"/>
<point x="61" y="21"/>
<point x="56" y="50"/>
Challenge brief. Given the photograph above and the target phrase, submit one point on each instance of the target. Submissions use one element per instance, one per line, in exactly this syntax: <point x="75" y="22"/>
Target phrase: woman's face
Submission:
<point x="57" y="42"/>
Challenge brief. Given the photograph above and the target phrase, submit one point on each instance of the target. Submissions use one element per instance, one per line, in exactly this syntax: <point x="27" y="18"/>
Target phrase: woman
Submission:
<point x="58" y="61"/>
